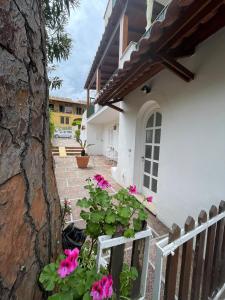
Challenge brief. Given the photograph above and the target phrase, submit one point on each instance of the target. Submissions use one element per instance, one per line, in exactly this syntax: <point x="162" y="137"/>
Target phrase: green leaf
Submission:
<point x="87" y="296"/>
<point x="109" y="229"/>
<point x="133" y="273"/>
<point x="84" y="203"/>
<point x="93" y="229"/>
<point x="48" y="277"/>
<point x="96" y="217"/>
<point x="110" y="218"/>
<point x="129" y="233"/>
<point x="124" y="212"/>
<point x="62" y="296"/>
<point x="85" y="215"/>
<point x="137" y="224"/>
<point x="142" y="215"/>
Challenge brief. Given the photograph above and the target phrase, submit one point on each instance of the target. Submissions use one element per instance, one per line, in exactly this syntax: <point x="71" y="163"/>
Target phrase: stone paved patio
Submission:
<point x="71" y="181"/>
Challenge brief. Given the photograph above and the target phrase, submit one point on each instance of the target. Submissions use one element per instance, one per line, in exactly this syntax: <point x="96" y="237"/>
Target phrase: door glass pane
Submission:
<point x="157" y="136"/>
<point x="149" y="136"/>
<point x="147" y="166"/>
<point x="158" y="119"/>
<point x="156" y="153"/>
<point x="155" y="169"/>
<point x="146" y="181"/>
<point x="150" y="121"/>
<point x="148" y="151"/>
<point x="154" y="185"/>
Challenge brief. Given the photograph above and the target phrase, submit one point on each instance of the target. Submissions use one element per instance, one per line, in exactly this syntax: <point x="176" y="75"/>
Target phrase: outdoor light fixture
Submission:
<point x="146" y="89"/>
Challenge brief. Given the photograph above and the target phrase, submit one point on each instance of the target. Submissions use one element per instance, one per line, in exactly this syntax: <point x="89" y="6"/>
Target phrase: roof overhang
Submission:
<point x="105" y="115"/>
<point x="177" y="32"/>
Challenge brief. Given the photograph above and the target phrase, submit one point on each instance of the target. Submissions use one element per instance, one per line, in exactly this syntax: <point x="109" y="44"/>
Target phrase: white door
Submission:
<point x="151" y="154"/>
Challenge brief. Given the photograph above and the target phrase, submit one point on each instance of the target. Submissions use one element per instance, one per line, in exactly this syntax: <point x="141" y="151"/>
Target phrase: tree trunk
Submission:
<point x="30" y="216"/>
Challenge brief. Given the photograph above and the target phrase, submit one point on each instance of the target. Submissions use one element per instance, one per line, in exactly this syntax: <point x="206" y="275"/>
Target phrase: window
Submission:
<point x="67" y="120"/>
<point x="152" y="151"/>
<point x="79" y="110"/>
<point x="68" y="109"/>
<point x="51" y="107"/>
<point x="62" y="120"/>
<point x="61" y="108"/>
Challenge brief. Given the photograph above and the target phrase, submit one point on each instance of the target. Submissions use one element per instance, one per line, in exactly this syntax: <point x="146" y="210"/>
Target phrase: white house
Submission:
<point x="169" y="85"/>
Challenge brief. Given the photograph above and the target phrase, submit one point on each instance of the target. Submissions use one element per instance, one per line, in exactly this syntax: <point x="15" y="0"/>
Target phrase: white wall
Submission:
<point x="192" y="155"/>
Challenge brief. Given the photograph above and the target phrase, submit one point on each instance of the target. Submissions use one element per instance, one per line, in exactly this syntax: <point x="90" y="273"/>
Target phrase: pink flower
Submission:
<point x="103" y="184"/>
<point x="107" y="284"/>
<point x="102" y="289"/>
<point x="150" y="199"/>
<point x="98" y="177"/>
<point x="72" y="255"/>
<point x="132" y="189"/>
<point x="66" y="267"/>
<point x="97" y="291"/>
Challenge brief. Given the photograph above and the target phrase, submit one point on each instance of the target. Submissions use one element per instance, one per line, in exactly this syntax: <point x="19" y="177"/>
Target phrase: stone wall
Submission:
<point x="29" y="205"/>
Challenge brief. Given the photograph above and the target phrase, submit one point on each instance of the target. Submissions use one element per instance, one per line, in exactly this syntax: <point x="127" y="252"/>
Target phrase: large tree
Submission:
<point x="30" y="217"/>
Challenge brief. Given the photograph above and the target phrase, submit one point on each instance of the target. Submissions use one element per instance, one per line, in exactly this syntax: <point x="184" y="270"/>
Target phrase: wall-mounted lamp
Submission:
<point x="146" y="89"/>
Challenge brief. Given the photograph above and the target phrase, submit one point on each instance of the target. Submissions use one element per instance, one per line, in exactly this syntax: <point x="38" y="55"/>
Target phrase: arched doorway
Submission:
<point x="151" y="153"/>
<point x="147" y="149"/>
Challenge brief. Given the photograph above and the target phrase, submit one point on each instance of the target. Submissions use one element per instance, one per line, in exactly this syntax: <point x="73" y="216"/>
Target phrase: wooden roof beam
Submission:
<point x="115" y="107"/>
<point x="177" y="68"/>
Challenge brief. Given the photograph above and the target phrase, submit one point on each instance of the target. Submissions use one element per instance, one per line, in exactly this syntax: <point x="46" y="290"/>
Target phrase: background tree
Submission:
<point x="59" y="43"/>
<point x="30" y="215"/>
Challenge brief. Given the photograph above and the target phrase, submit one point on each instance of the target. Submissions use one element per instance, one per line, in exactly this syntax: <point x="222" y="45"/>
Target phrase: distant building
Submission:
<point x="65" y="111"/>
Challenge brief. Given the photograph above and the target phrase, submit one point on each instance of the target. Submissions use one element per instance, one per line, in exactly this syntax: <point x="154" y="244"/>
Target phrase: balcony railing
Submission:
<point x="90" y="110"/>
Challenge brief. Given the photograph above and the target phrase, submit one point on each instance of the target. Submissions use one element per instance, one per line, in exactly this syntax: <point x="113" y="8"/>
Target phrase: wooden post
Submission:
<point x="98" y="79"/>
<point x="137" y="260"/>
<point x="198" y="259"/>
<point x="123" y="35"/>
<point x="172" y="266"/>
<point x="116" y="266"/>
<point x="186" y="263"/>
<point x="217" y="259"/>
<point x="209" y="256"/>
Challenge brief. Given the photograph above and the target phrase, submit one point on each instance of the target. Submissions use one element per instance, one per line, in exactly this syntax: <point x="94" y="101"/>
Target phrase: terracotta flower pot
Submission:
<point x="82" y="161"/>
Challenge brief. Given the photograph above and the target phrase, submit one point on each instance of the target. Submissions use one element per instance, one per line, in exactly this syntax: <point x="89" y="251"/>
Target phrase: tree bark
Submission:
<point x="30" y="215"/>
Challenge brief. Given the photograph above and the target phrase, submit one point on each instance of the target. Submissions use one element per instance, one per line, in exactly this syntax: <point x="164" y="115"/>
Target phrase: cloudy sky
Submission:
<point x="85" y="27"/>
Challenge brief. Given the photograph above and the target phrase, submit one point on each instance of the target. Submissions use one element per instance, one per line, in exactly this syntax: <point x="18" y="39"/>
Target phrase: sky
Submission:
<point x="85" y="26"/>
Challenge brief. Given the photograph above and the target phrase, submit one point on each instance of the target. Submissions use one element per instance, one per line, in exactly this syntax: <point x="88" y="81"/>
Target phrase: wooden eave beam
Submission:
<point x="115" y="100"/>
<point x="177" y="68"/>
<point x="115" y="107"/>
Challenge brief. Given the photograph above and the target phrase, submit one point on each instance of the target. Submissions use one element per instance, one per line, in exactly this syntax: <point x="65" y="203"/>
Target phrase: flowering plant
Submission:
<point x="66" y="211"/>
<point x="107" y="214"/>
<point x="71" y="281"/>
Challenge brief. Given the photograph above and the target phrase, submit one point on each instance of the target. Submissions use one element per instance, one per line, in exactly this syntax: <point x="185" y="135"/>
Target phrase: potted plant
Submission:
<point x="83" y="159"/>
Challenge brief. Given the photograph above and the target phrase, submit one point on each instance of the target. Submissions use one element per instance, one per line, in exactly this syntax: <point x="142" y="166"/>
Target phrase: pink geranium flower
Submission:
<point x="98" y="177"/>
<point x="69" y="264"/>
<point x="66" y="267"/>
<point x="107" y="284"/>
<point x="132" y="189"/>
<point x="150" y="199"/>
<point x="103" y="184"/>
<point x="97" y="291"/>
<point x="102" y="289"/>
<point x="73" y="256"/>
